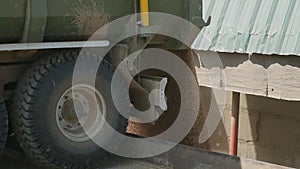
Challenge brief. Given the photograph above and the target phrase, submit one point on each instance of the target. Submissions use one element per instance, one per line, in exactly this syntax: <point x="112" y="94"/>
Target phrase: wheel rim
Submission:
<point x="81" y="112"/>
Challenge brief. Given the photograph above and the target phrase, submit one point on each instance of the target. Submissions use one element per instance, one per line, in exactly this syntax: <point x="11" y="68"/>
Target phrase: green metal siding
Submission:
<point x="251" y="26"/>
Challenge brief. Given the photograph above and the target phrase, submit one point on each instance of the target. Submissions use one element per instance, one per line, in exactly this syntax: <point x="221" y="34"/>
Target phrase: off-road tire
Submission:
<point x="33" y="120"/>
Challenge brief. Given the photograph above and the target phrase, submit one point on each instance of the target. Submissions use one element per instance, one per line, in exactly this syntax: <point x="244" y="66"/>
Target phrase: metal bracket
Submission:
<point x="156" y="86"/>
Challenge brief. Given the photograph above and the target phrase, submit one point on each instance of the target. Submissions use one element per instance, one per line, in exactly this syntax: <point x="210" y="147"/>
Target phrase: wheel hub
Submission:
<point x="69" y="111"/>
<point x="80" y="113"/>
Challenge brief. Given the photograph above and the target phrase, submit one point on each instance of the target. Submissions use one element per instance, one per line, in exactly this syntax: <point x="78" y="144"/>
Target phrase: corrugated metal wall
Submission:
<point x="251" y="26"/>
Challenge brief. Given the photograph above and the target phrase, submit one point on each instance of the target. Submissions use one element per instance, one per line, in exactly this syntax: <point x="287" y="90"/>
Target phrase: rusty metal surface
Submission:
<point x="180" y="157"/>
<point x="113" y="163"/>
<point x="234" y="130"/>
<point x="184" y="157"/>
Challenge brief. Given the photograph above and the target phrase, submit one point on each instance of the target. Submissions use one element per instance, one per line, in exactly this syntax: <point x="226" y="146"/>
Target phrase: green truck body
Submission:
<point x="57" y="20"/>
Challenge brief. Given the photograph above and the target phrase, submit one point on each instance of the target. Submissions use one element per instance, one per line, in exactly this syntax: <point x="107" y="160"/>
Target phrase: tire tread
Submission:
<point x="24" y="101"/>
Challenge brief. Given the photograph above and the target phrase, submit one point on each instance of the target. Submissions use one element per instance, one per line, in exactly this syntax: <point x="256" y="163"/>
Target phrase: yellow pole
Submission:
<point x="144" y="7"/>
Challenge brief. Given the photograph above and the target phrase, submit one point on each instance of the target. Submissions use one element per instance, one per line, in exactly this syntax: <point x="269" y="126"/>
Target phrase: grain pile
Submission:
<point x="168" y="117"/>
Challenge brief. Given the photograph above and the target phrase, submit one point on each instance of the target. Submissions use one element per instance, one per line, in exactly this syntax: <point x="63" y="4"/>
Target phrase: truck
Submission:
<point x="53" y="118"/>
<point x="40" y="41"/>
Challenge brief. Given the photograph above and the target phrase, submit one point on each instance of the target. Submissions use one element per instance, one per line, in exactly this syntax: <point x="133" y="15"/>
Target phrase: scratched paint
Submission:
<point x="89" y="16"/>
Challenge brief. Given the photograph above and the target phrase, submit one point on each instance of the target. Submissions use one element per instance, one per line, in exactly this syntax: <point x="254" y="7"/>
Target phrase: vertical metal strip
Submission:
<point x="27" y="21"/>
<point x="195" y="13"/>
<point x="144" y="6"/>
<point x="35" y="21"/>
<point x="234" y="129"/>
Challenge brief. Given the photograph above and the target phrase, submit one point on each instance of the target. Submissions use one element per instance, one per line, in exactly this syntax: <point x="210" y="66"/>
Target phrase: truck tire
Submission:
<point x="3" y="125"/>
<point x="44" y="121"/>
